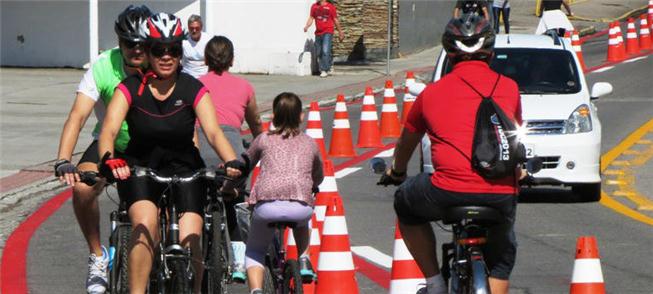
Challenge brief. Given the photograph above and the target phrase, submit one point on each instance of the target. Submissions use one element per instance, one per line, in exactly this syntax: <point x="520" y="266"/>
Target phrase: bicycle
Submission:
<point x="463" y="264"/>
<point x="282" y="276"/>
<point x="118" y="241"/>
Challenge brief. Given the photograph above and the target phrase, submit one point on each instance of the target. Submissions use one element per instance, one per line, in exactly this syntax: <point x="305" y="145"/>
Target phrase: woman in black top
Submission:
<point x="478" y="7"/>
<point x="161" y="110"/>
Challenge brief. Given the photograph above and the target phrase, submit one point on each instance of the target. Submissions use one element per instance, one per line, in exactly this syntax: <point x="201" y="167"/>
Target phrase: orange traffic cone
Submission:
<point x="409" y="100"/>
<point x="613" y="44"/>
<point x="368" y="132"/>
<point x="314" y="128"/>
<point x="257" y="169"/>
<point x="406" y="277"/>
<point x="587" y="277"/>
<point x="575" y="43"/>
<point x="389" y="120"/>
<point x="410" y="77"/>
<point x="314" y="252"/>
<point x="644" y="33"/>
<point x="291" y="245"/>
<point x="335" y="270"/>
<point x="632" y="42"/>
<point x="328" y="191"/>
<point x="341" y="144"/>
<point x="568" y="36"/>
<point x="620" y="38"/>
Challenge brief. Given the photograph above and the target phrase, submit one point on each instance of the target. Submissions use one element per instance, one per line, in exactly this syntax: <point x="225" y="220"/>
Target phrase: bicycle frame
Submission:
<point x="463" y="264"/>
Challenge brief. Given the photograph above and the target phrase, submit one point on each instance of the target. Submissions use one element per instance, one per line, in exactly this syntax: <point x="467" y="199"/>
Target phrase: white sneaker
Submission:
<point x="323" y="74"/>
<point x="331" y="72"/>
<point x="96" y="282"/>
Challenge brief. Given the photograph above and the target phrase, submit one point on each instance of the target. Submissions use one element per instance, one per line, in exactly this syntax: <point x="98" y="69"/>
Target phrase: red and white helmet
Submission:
<point x="163" y="28"/>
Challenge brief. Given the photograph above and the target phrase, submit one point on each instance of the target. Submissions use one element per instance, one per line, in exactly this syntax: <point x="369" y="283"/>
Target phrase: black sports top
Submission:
<point x="551" y="4"/>
<point x="161" y="132"/>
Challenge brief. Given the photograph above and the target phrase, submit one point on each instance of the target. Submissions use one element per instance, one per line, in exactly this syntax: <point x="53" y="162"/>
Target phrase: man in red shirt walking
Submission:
<point x="326" y="17"/>
<point x="446" y="112"/>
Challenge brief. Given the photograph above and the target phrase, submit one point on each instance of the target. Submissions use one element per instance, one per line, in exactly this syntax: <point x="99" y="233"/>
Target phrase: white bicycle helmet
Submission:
<point x="163" y="28"/>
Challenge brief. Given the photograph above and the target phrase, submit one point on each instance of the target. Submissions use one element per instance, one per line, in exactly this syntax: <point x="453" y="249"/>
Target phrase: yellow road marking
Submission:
<point x="608" y="159"/>
<point x="644" y="142"/>
<point x="613" y="172"/>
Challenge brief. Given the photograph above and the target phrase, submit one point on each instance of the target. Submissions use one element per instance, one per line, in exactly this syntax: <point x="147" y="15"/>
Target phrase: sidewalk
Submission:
<point x="32" y="117"/>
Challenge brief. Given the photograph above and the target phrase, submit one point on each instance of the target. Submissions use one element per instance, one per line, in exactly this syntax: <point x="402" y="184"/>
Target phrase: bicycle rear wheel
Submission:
<point x="268" y="282"/>
<point x="292" y="279"/>
<point x="119" y="276"/>
<point x="478" y="282"/>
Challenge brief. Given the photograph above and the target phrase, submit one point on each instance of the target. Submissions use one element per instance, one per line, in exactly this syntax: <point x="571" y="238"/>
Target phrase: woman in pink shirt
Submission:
<point x="234" y="101"/>
<point x="290" y="170"/>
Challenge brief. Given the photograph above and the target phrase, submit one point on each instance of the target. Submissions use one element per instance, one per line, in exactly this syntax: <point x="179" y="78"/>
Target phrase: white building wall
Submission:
<point x="268" y="35"/>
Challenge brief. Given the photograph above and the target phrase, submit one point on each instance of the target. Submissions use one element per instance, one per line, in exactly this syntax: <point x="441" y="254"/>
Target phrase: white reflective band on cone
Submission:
<point x="406" y="285"/>
<point x="410" y="81"/>
<point x="335" y="225"/>
<point x="389" y="107"/>
<point x="341" y="107"/>
<point x="587" y="270"/>
<point x="368" y="115"/>
<point x="328" y="184"/>
<point x="389" y="92"/>
<point x="320" y="211"/>
<point x="315" y="133"/>
<point x="341" y="123"/>
<point x="644" y="31"/>
<point x="335" y="261"/>
<point x="313" y="115"/>
<point x="315" y="237"/>
<point x="613" y="41"/>
<point x="291" y="238"/>
<point x="409" y="98"/>
<point x="576" y="48"/>
<point x="631" y="36"/>
<point x="620" y="39"/>
<point x="368" y="100"/>
<point x="400" y="251"/>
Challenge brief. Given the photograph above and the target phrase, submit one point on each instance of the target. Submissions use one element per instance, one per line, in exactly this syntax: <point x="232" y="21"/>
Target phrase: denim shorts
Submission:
<point x="417" y="202"/>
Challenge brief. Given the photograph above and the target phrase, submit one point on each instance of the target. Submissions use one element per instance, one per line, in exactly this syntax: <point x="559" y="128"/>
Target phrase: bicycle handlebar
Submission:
<point x="206" y="173"/>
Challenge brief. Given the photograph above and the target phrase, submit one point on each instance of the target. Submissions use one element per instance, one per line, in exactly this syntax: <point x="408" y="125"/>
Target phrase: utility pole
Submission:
<point x="387" y="69"/>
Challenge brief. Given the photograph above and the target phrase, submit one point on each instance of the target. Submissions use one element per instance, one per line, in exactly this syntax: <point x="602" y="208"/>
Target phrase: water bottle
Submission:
<point x="377" y="165"/>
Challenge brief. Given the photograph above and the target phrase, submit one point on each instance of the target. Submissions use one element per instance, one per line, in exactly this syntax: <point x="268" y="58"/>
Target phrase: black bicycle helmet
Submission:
<point x="469" y="37"/>
<point x="163" y="28"/>
<point x="128" y="24"/>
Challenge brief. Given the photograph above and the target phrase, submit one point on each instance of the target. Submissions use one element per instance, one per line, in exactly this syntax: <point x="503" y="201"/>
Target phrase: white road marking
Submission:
<point x="386" y="153"/>
<point x="635" y="59"/>
<point x="346" y="171"/>
<point x="373" y="255"/>
<point x="604" y="69"/>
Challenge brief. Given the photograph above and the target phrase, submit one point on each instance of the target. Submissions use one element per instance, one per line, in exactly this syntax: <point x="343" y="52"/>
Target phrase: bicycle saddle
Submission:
<point x="282" y="224"/>
<point x="477" y="213"/>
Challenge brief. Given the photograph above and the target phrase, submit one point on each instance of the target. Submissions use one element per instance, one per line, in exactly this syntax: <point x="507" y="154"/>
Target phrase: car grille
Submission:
<point x="545" y="127"/>
<point x="550" y="162"/>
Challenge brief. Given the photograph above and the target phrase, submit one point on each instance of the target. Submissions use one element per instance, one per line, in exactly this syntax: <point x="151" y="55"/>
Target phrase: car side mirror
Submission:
<point x="600" y="89"/>
<point x="415" y="88"/>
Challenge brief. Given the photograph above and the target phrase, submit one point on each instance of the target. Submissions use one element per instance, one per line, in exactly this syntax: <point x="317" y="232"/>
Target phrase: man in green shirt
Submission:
<point x="93" y="94"/>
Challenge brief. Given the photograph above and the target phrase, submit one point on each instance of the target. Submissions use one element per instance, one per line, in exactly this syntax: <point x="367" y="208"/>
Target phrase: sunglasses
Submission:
<point x="131" y="44"/>
<point x="174" y="50"/>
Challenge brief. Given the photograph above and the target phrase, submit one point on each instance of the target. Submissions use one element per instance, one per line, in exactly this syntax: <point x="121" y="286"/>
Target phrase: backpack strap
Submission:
<point x="479" y="93"/>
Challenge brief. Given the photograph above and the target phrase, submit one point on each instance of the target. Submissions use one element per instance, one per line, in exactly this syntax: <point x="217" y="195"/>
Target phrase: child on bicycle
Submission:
<point x="290" y="169"/>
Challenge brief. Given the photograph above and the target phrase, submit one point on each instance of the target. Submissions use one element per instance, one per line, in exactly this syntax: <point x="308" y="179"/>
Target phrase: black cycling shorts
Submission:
<point x="417" y="202"/>
<point x="189" y="197"/>
<point x="91" y="154"/>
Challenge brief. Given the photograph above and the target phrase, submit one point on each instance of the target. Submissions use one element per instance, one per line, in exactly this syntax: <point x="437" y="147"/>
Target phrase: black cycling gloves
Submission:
<point x="237" y="164"/>
<point x="386" y="179"/>
<point x="63" y="166"/>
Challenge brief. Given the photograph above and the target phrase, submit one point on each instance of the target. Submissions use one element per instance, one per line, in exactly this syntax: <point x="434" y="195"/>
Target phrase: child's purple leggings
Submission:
<point x="260" y="234"/>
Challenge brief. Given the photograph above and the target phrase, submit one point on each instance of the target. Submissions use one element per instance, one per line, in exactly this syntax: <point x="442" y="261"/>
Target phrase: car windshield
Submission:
<point x="536" y="71"/>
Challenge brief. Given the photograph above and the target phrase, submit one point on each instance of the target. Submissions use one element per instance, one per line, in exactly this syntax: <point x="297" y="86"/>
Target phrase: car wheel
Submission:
<point x="588" y="192"/>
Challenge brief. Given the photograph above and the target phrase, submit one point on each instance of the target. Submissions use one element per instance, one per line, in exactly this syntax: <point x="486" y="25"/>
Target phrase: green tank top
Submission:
<point x="108" y="73"/>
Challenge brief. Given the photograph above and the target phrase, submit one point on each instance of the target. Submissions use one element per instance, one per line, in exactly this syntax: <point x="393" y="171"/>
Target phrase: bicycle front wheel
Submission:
<point x="118" y="276"/>
<point x="292" y="279"/>
<point x="217" y="257"/>
<point x="180" y="281"/>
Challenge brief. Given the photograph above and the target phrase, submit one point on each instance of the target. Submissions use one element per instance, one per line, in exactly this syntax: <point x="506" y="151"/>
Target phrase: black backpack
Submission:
<point x="496" y="151"/>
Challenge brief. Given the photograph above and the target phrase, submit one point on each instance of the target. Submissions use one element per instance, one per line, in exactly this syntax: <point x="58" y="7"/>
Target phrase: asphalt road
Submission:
<point x="548" y="221"/>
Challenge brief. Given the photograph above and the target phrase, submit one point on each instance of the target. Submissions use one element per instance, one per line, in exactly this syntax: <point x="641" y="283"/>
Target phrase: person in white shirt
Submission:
<point x="192" y="61"/>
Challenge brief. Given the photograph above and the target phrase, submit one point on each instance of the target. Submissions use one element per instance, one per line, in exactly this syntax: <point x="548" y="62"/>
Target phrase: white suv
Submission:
<point x="561" y="124"/>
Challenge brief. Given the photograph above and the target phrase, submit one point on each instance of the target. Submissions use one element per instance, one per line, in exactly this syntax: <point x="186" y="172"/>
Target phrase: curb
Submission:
<point x="626" y="15"/>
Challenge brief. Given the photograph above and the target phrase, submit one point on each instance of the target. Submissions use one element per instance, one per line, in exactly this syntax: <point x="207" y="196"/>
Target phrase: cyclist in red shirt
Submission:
<point x="446" y="111"/>
<point x="326" y="17"/>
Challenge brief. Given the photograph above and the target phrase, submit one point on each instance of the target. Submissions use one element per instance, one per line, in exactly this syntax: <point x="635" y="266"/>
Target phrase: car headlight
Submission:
<point x="580" y="121"/>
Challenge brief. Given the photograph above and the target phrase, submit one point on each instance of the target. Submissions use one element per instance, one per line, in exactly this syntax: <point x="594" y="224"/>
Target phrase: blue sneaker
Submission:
<point x="239" y="275"/>
<point x="306" y="270"/>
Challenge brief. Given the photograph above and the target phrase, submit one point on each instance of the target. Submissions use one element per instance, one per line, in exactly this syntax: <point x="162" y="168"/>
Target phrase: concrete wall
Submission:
<point x="44" y="33"/>
<point x="421" y="23"/>
<point x="56" y="33"/>
<point x="268" y="36"/>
